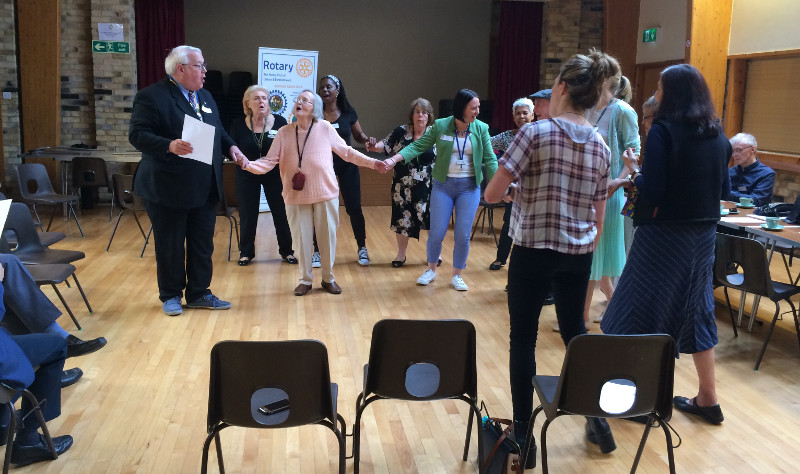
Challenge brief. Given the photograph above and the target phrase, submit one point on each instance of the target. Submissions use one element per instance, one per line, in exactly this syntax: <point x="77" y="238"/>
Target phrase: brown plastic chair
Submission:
<point x="275" y="384"/>
<point x="408" y="360"/>
<point x="751" y="257"/>
<point x="595" y="362"/>
<point x="7" y="397"/>
<point x="128" y="201"/>
<point x="35" y="188"/>
<point x="91" y="172"/>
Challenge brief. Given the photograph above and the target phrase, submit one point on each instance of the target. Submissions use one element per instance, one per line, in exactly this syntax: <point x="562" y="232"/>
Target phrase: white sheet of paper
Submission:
<point x="5" y="206"/>
<point x="201" y="136"/>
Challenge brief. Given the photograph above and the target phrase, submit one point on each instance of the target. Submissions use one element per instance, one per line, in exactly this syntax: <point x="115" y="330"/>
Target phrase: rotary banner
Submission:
<point x="285" y="73"/>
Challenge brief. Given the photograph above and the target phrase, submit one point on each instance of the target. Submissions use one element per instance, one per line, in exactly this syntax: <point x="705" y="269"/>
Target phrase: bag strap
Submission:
<point x="500" y="440"/>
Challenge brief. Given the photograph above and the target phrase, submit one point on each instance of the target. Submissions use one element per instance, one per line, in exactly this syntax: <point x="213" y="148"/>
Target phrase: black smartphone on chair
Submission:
<point x="274" y="407"/>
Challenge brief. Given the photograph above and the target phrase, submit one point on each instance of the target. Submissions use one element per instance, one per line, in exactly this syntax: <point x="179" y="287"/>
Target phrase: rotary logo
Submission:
<point x="304" y="67"/>
<point x="277" y="102"/>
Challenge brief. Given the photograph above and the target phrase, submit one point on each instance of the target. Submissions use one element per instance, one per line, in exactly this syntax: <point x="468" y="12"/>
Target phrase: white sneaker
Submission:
<point x="363" y="256"/>
<point x="316" y="260"/>
<point x="458" y="283"/>
<point x="426" y="277"/>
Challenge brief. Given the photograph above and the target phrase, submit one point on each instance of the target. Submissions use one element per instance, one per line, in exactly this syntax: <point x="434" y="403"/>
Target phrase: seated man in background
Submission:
<point x="28" y="311"/>
<point x="18" y="356"/>
<point x="749" y="177"/>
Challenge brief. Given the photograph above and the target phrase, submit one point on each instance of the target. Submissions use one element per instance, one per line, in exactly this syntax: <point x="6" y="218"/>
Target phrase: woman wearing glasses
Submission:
<point x="304" y="151"/>
<point x="254" y="133"/>
<point x="463" y="152"/>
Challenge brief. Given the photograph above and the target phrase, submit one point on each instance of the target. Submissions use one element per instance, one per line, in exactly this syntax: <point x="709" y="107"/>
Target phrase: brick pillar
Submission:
<point x="569" y="27"/>
<point x="77" y="94"/>
<point x="9" y="85"/>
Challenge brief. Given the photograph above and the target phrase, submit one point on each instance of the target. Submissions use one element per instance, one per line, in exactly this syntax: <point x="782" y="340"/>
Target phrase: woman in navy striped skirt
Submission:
<point x="666" y="286"/>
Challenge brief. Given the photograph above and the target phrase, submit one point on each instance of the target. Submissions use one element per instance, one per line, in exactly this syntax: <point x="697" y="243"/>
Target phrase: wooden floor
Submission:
<point x="141" y="405"/>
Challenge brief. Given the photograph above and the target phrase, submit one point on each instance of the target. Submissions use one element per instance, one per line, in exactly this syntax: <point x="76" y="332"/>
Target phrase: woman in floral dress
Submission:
<point x="411" y="185"/>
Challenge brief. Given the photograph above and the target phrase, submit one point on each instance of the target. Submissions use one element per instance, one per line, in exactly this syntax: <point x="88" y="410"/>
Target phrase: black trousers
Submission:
<point x="504" y="244"/>
<point x="248" y="195"/>
<point x="184" y="243"/>
<point x="350" y="187"/>
<point x="531" y="273"/>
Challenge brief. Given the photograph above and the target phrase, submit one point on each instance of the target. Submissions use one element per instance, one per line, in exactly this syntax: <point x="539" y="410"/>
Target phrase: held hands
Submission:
<point x="180" y="147"/>
<point x="237" y="156"/>
<point x="381" y="166"/>
<point x="631" y="160"/>
<point x="373" y="145"/>
<point x="512" y="188"/>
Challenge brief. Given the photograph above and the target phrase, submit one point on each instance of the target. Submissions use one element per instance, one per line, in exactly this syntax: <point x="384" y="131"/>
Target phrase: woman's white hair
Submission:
<point x="179" y="55"/>
<point x="522" y="102"/>
<point x="318" y="115"/>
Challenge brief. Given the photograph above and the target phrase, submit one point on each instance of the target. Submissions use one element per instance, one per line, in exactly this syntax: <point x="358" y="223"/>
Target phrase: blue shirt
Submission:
<point x="755" y="181"/>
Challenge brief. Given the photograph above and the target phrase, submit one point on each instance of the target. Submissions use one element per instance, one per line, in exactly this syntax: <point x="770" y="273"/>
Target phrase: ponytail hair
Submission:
<point x="584" y="76"/>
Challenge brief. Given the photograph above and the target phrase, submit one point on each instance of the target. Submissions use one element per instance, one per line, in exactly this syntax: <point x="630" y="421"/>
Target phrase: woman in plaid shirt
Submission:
<point x="562" y="167"/>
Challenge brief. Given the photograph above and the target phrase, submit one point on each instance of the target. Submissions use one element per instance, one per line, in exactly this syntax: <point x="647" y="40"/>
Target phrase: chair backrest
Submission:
<point x="240" y="369"/>
<point x="422" y="359"/>
<point x="750" y="255"/>
<point x="647" y="361"/>
<point x="20" y="221"/>
<point x="33" y="180"/>
<point x="89" y="171"/>
<point x="229" y="184"/>
<point x="123" y="192"/>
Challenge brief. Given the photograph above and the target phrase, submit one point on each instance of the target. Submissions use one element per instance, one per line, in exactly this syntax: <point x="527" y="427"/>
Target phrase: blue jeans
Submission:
<point x="463" y="195"/>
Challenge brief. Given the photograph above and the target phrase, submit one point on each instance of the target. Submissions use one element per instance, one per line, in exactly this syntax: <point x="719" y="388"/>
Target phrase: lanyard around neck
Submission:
<point x="458" y="147"/>
<point x="259" y="139"/>
<point x="604" y="112"/>
<point x="297" y="140"/>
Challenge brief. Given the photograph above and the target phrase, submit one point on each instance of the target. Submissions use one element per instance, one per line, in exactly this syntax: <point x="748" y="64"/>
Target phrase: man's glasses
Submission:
<point x="199" y="67"/>
<point x="303" y="101"/>
<point x="742" y="149"/>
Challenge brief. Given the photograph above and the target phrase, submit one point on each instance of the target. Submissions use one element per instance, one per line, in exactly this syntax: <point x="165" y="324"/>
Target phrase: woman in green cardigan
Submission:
<point x="463" y="150"/>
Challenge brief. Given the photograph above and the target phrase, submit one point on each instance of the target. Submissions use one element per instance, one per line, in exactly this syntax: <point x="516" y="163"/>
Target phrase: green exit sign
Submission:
<point x="122" y="47"/>
<point x="649" y="35"/>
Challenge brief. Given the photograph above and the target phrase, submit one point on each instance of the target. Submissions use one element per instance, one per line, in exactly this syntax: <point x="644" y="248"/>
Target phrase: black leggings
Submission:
<point x="350" y="187"/>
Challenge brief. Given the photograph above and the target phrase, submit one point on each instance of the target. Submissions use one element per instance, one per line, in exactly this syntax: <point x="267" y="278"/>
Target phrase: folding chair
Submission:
<point x="260" y="384"/>
<point x="610" y="376"/>
<point x="409" y="361"/>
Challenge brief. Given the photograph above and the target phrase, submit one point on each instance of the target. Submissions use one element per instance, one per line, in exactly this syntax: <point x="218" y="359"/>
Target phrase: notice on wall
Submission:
<point x="110" y="32"/>
<point x="285" y="73"/>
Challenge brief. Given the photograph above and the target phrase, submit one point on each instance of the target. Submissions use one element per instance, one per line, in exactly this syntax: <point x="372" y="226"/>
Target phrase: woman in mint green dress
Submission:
<point x="617" y="122"/>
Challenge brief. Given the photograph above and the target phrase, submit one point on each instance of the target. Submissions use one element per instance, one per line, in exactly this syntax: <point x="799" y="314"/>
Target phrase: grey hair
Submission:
<point x="650" y="104"/>
<point x="318" y="115"/>
<point x="179" y="55"/>
<point x="744" y="139"/>
<point x="522" y="102"/>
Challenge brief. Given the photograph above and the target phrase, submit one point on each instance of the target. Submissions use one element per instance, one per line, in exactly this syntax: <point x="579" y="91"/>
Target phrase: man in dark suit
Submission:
<point x="180" y="194"/>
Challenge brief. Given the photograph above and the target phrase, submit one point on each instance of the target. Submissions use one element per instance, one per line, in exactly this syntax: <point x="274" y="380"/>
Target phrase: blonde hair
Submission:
<point x="584" y="76"/>
<point x="248" y="94"/>
<point x="624" y="91"/>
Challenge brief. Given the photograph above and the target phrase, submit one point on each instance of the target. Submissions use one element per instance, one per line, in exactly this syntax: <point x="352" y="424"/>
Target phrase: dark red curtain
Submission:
<point x="517" y="56"/>
<point x="159" y="28"/>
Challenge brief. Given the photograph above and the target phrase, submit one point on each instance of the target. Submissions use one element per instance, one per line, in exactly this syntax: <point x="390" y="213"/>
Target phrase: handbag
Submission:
<point x="500" y="453"/>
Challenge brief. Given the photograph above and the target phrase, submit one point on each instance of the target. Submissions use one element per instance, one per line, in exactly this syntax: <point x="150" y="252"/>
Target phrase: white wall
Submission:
<point x="386" y="53"/>
<point x="764" y="25"/>
<point x="670" y="17"/>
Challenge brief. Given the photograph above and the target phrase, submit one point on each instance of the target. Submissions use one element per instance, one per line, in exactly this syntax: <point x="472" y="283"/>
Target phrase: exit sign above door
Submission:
<point x="649" y="35"/>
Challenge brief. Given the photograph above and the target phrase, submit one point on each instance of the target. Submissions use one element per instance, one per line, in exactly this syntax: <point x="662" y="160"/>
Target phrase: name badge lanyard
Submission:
<point x="297" y="140"/>
<point x="259" y="139"/>
<point x="461" y="160"/>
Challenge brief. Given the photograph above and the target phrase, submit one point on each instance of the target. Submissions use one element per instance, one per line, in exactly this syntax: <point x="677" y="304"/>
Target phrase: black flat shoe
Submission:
<point x="495" y="265"/>
<point x="439" y="263"/>
<point x="398" y="263"/>
<point x="70" y="376"/>
<point x="244" y="261"/>
<point x="711" y="414"/>
<point x="290" y="259"/>
<point x="77" y="347"/>
<point x="25" y="455"/>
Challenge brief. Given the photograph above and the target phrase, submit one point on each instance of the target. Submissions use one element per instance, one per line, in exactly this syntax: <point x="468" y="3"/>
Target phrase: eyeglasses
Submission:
<point x="199" y="67"/>
<point x="741" y="149"/>
<point x="303" y="101"/>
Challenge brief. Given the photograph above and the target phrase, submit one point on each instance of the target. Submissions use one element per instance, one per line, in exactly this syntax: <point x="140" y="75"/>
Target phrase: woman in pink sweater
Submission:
<point x="304" y="150"/>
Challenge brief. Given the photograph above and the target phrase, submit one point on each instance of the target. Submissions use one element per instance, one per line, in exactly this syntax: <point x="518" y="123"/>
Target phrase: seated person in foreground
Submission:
<point x="749" y="177"/>
<point x="18" y="356"/>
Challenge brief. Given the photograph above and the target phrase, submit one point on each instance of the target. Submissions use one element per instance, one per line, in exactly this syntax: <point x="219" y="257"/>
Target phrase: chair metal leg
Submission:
<point x="75" y="216"/>
<point x="69" y="311"/>
<point x="357" y="438"/>
<point x="530" y="440"/>
<point x="730" y="311"/>
<point x="113" y="232"/>
<point x="55" y="209"/>
<point x="12" y="429"/>
<point x="85" y="300"/>
<point x="544" y="446"/>
<point x="38" y="219"/>
<point x="742" y="300"/>
<point x="146" y="240"/>
<point x="475" y="226"/>
<point x="769" y="334"/>
<point x="754" y="312"/>
<point x="641" y="444"/>
<point x="230" y="237"/>
<point x="490" y="212"/>
<point x="207" y="444"/>
<point x="37" y="409"/>
<point x="472" y="409"/>
<point x="670" y="454"/>
<point x="796" y="322"/>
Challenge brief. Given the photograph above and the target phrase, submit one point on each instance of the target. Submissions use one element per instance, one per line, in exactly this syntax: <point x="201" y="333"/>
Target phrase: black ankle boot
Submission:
<point x="599" y="433"/>
<point x="520" y="431"/>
